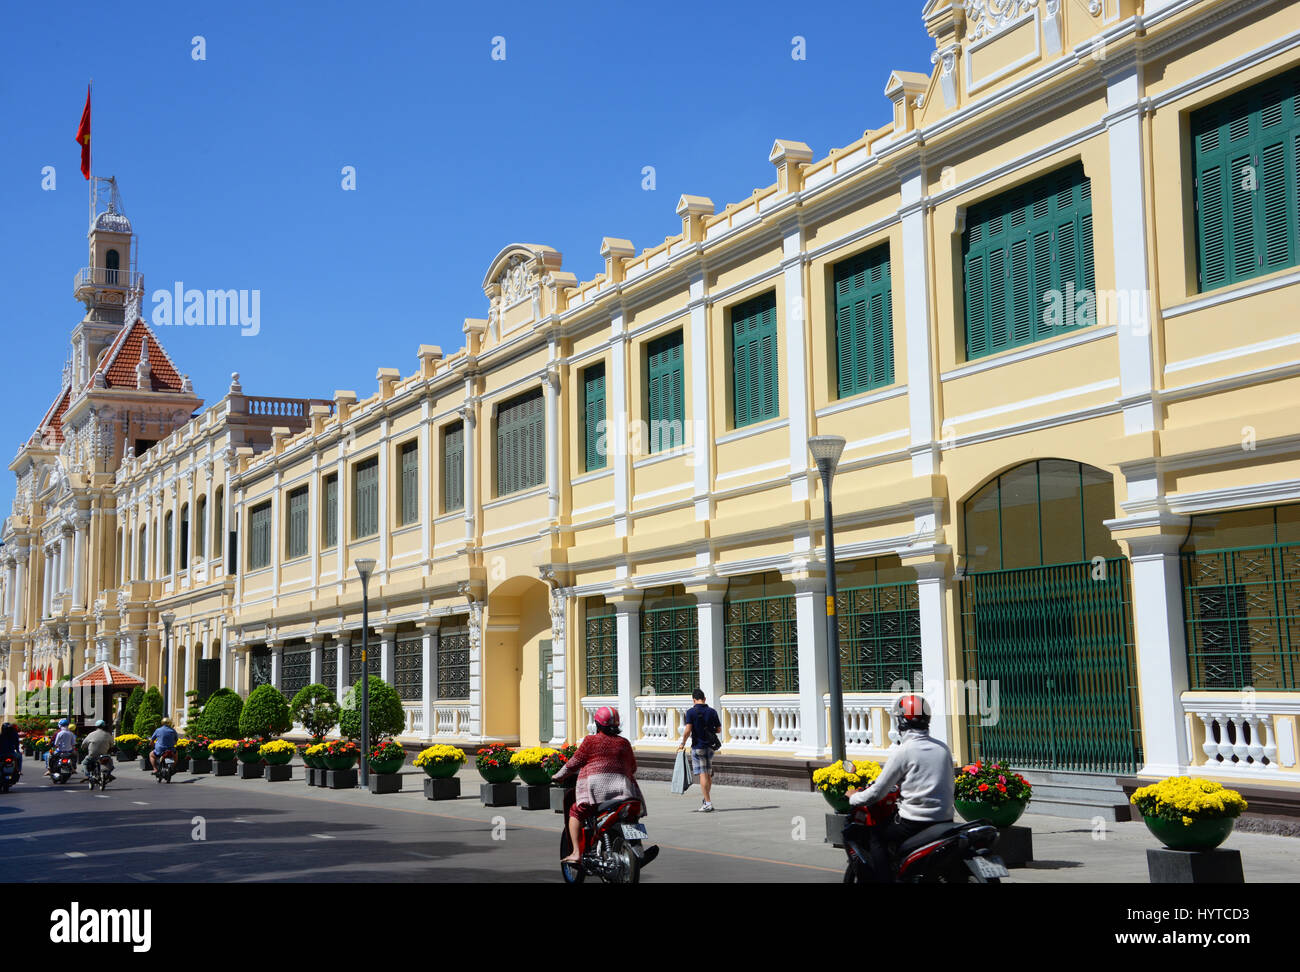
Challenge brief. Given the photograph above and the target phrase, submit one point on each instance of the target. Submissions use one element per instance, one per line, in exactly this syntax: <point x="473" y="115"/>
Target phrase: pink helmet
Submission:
<point x="606" y="716"/>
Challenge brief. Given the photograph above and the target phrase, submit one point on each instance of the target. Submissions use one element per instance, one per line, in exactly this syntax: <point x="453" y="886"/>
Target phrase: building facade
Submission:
<point x="1050" y="307"/>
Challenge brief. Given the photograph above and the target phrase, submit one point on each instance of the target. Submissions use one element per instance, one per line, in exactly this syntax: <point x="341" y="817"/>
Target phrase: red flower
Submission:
<point x="983" y="787"/>
<point x="1001" y="788"/>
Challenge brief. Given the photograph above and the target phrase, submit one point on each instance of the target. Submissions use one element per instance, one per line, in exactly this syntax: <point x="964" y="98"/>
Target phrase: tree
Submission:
<point x="316" y="708"/>
<point x="220" y="719"/>
<point x="266" y="713"/>
<point x="149" y="716"/>
<point x="386" y="715"/>
<point x="132" y="707"/>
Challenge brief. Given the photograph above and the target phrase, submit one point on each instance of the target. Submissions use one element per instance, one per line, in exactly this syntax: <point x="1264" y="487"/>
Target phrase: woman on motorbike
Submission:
<point x="10" y="744"/>
<point x="606" y="770"/>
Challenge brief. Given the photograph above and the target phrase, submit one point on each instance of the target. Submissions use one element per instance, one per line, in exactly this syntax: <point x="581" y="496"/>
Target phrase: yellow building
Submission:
<point x="1050" y="307"/>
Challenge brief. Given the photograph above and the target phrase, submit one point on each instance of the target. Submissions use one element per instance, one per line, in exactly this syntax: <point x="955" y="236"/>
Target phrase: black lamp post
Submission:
<point x="826" y="450"/>
<point x="365" y="567"/>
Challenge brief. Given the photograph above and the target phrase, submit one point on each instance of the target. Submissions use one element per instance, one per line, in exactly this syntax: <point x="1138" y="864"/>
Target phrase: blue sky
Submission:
<point x="230" y="167"/>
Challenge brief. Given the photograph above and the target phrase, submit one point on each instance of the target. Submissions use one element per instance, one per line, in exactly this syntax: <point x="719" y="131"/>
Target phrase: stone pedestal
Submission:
<point x="385" y="782"/>
<point x="341" y="779"/>
<point x="497" y="794"/>
<point x="1217" y="866"/>
<point x="447" y="788"/>
<point x="145" y="765"/>
<point x="835" y="828"/>
<point x="530" y="797"/>
<point x="224" y="767"/>
<point x="250" y="771"/>
<point x="200" y="767"/>
<point x="311" y="776"/>
<point x="1015" y="846"/>
<point x="557" y="799"/>
<point x="278" y="773"/>
<point x="183" y="765"/>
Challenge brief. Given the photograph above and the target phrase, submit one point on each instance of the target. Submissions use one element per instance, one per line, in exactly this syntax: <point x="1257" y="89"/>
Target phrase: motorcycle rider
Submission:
<point x="65" y="742"/>
<point x="922" y="769"/>
<point x="164" y="738"/>
<point x="11" y="745"/>
<point x="98" y="743"/>
<point x="606" y="769"/>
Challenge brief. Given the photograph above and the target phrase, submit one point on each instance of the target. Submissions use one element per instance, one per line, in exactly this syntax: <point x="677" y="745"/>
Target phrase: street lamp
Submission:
<point x="826" y="450"/>
<point x="168" y="618"/>
<point x="365" y="567"/>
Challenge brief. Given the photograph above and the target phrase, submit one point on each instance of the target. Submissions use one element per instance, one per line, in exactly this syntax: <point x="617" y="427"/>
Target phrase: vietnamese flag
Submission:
<point x="83" y="137"/>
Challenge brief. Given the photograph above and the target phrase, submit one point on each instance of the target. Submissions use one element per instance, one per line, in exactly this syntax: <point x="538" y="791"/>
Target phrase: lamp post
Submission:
<point x="826" y="450"/>
<point x="365" y="567"/>
<point x="168" y="618"/>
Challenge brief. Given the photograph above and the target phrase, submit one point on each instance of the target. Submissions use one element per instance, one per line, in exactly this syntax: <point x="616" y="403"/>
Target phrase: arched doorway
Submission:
<point x="1046" y="622"/>
<point x="517" y="654"/>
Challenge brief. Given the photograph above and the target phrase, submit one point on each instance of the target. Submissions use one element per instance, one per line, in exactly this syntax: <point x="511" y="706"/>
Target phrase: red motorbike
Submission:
<point x="612" y="843"/>
<point x="9" y="774"/>
<point x="166" y="766"/>
<point x="946" y="853"/>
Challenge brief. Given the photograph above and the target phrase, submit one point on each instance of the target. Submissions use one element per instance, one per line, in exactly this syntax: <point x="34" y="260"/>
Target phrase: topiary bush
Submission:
<point x="386" y="715"/>
<point x="220" y="719"/>
<point x="266" y="713"/>
<point x="132" y="706"/>
<point x="316" y="708"/>
<point x="149" y="716"/>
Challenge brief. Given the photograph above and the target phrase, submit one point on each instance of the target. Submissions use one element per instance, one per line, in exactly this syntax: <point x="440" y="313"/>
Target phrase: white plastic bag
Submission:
<point x="681" y="773"/>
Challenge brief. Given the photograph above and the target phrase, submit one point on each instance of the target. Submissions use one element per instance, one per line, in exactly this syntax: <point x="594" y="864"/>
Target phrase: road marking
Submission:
<point x="140" y="803"/>
<point x="73" y="854"/>
<point x="323" y="836"/>
<point x="102" y="796"/>
<point x="142" y="877"/>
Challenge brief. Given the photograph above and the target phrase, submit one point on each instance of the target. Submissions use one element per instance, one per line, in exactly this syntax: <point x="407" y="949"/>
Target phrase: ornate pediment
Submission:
<point x="984" y="18"/>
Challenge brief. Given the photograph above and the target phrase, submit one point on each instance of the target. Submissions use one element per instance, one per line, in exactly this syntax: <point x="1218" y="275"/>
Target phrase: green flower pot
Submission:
<point x="534" y="775"/>
<point x="253" y="757"/>
<point x="840" y="804"/>
<point x="1200" y="835"/>
<point x="340" y="762"/>
<point x="278" y="759"/>
<point x="200" y="754"/>
<point x="999" y="815"/>
<point x="497" y="774"/>
<point x="386" y="766"/>
<point x="223" y="755"/>
<point x="441" y="771"/>
<point x="127" y="753"/>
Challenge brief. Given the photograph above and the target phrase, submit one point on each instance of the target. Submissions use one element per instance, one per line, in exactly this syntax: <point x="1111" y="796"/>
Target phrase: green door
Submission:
<point x="546" y="691"/>
<point x="1057" y="642"/>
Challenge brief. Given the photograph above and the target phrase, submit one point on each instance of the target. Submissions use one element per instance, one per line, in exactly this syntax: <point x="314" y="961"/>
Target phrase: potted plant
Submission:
<point x="536" y="764"/>
<point x="493" y="762"/>
<point x="183" y="754"/>
<point x="249" y="750"/>
<point x="387" y="757"/>
<point x="223" y="750"/>
<point x="314" y="756"/>
<point x="835" y="784"/>
<point x="277" y="752"/>
<point x="1189" y="813"/>
<point x="992" y="792"/>
<point x="341" y="754"/>
<point x="199" y="747"/>
<point x="127" y="745"/>
<point x="265" y="713"/>
<point x="316" y="710"/>
<point x="441" y="762"/>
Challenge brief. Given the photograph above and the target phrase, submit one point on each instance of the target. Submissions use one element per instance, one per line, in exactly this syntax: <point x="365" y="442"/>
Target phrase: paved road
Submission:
<point x="140" y="830"/>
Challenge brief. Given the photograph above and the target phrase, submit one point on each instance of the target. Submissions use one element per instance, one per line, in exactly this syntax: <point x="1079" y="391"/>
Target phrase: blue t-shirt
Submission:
<point x="164" y="738"/>
<point x="704" y="723"/>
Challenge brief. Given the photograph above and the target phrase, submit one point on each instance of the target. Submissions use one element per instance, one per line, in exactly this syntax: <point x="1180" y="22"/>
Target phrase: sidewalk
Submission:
<point x="787" y="827"/>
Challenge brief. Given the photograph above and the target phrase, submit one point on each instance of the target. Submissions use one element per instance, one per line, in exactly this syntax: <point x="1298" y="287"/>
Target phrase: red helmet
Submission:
<point x="912" y="712"/>
<point x="606" y="717"/>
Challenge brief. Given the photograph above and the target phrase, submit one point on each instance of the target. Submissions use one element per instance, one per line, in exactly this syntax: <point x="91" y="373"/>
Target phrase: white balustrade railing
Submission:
<point x="451" y="719"/>
<point x="590" y="704"/>
<point x="414" y="713"/>
<point x="761" y="721"/>
<point x="1240" y="733"/>
<point x="869" y="729"/>
<point x="660" y="718"/>
<point x="785" y="723"/>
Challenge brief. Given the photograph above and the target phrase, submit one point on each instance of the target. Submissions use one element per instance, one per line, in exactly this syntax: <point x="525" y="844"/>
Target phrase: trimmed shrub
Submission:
<point x="149" y="716"/>
<point x="220" y="719"/>
<point x="266" y="713"/>
<point x="386" y="716"/>
<point x="316" y="708"/>
<point x="132" y="706"/>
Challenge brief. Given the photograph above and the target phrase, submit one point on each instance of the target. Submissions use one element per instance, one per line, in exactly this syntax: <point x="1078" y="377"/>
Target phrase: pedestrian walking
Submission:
<point x="702" y="726"/>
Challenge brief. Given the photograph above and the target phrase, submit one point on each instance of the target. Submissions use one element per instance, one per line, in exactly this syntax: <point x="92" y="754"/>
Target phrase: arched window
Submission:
<point x="185" y="537"/>
<point x="142" y="553"/>
<point x="218" y="527"/>
<point x="167" y="543"/>
<point x="201" y="527"/>
<point x="111" y="266"/>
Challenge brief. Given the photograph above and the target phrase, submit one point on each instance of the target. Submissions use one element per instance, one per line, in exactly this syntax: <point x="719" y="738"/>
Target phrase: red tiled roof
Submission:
<point x="53" y="420"/>
<point x="123" y="355"/>
<point x="106" y="674"/>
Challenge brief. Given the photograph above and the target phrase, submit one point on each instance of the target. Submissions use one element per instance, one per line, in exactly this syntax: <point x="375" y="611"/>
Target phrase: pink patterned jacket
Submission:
<point x="606" y="769"/>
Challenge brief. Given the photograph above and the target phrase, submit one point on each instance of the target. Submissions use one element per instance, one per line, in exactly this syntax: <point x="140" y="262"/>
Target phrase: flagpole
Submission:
<point x="90" y="90"/>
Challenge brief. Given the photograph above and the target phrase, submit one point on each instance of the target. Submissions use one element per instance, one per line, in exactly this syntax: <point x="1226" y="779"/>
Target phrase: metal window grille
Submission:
<point x="259" y="667"/>
<point x="259" y="539"/>
<point x="295" y="672"/>
<point x="408" y="668"/>
<point x="453" y="665"/>
<point x="601" y="641"/>
<point x="410" y="482"/>
<point x="762" y="645"/>
<point x="365" y="498"/>
<point x="453" y="468"/>
<point x="670" y="649"/>
<point x="880" y="636"/>
<point x="330" y="510"/>
<point x="296" y="542"/>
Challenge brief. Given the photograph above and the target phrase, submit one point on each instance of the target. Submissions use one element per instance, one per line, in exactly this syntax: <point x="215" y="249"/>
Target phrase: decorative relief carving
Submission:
<point x="514" y="281"/>
<point x="988" y="17"/>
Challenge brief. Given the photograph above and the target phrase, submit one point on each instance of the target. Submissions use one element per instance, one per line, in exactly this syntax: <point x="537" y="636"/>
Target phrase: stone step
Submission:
<point x="1078" y="795"/>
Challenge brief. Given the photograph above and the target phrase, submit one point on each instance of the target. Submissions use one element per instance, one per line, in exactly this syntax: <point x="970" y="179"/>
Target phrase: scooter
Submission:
<point x="101" y="772"/>
<point x="166" y="766"/>
<point x="62" y="766"/>
<point x="946" y="853"/>
<point x="612" y="843"/>
<point x="9" y="773"/>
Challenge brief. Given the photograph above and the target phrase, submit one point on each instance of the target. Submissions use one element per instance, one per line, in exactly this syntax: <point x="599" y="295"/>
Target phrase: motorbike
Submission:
<point x="946" y="853"/>
<point x="9" y="773"/>
<point x="62" y="766"/>
<point x="101" y="771"/>
<point x="166" y="766"/>
<point x="612" y="843"/>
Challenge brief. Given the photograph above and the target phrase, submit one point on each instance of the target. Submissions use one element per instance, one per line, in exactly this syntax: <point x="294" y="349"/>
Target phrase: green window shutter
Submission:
<point x="864" y="322"/>
<point x="593" y="417"/>
<point x="453" y="468"/>
<point x="296" y="542"/>
<point x="366" y="498"/>
<point x="753" y="356"/>
<point x="201" y="528"/>
<point x="1246" y="151"/>
<point x="665" y="398"/>
<point x="330" y="502"/>
<point x="410" y="482"/>
<point x="167" y="544"/>
<point x="1024" y="253"/>
<point x="521" y="443"/>
<point x="259" y="540"/>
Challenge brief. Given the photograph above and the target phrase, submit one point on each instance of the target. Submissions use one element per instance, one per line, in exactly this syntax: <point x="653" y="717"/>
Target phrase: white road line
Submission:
<point x="73" y="854"/>
<point x="140" y="803"/>
<point x="323" y="836"/>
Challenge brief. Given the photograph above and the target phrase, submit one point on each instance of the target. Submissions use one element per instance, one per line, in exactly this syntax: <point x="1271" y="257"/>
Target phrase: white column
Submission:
<point x="619" y="406"/>
<point x="82" y="521"/>
<point x="810" y="618"/>
<point x="20" y="588"/>
<point x="61" y="564"/>
<point x="127" y="652"/>
<point x="9" y="588"/>
<point x="227" y="524"/>
<point x="314" y="523"/>
<point x="796" y="358"/>
<point x="277" y="539"/>
<point x="388" y="654"/>
<point x="931" y="586"/>
<point x="711" y="615"/>
<point x="629" y="659"/>
<point x="551" y="392"/>
<point x="341" y="652"/>
<point x="916" y="313"/>
<point x="277" y="661"/>
<point x="341" y="547"/>
<point x="470" y="438"/>
<point x="1129" y="232"/>
<point x="316" y="657"/>
<point x="237" y="664"/>
<point x="429" y="670"/>
<point x="701" y="409"/>
<point x="47" y="596"/>
<point x="427" y="506"/>
<point x="476" y="669"/>
<point x="385" y="519"/>
<point x="1161" y="652"/>
<point x="559" y="668"/>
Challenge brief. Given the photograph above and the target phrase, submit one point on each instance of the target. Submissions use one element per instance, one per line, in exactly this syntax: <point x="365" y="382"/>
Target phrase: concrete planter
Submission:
<point x="250" y="771"/>
<point x="532" y="796"/>
<point x="277" y="772"/>
<point x="497" y="794"/>
<point x="385" y="782"/>
<point x="345" y="779"/>
<point x="200" y="767"/>
<point x="1217" y="866"/>
<point x="224" y="767"/>
<point x="442" y="788"/>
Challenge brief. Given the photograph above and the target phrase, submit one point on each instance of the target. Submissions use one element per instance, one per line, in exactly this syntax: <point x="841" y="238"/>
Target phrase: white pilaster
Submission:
<point x="429" y="672"/>
<point x="1161" y="652"/>
<point x="710" y="611"/>
<point x="796" y="358"/>
<point x="701" y="414"/>
<point x="388" y="654"/>
<point x="82" y="521"/>
<point x="551" y="392"/>
<point x="317" y="654"/>
<point x="629" y="660"/>
<point x="931" y="586"/>
<point x="385" y="518"/>
<point x="916" y="313"/>
<point x="469" y="416"/>
<point x="810" y="617"/>
<point x="426" y="506"/>
<point x="617" y="444"/>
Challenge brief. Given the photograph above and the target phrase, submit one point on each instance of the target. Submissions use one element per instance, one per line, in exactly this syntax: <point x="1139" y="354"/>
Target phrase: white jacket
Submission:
<point x="922" y="767"/>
